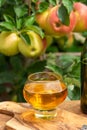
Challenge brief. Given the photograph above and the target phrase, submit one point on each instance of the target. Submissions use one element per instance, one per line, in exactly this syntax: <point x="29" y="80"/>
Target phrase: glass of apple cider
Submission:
<point x="44" y="91"/>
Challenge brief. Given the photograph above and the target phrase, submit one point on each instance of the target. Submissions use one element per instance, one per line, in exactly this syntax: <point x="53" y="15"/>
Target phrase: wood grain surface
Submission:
<point x="69" y="117"/>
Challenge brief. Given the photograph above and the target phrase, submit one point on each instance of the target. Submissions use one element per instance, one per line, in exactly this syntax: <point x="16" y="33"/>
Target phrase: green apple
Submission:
<point x="34" y="48"/>
<point x="9" y="43"/>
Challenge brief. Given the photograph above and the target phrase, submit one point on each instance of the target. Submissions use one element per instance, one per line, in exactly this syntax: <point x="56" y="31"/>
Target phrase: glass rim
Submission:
<point x="58" y="77"/>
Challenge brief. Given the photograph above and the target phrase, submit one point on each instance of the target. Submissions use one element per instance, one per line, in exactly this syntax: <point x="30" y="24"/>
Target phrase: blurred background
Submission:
<point x="61" y="57"/>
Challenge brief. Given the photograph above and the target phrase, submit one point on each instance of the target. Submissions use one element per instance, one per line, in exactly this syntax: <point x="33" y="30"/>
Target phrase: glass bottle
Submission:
<point x="84" y="78"/>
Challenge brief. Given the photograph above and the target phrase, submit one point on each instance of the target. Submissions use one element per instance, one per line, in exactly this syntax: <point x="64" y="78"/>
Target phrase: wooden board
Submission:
<point x="64" y="121"/>
<point x="22" y="121"/>
<point x="3" y="119"/>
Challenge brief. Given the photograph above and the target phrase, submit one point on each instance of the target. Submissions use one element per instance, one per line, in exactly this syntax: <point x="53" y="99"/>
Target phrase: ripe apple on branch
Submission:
<point x="81" y="17"/>
<point x="19" y="34"/>
<point x="36" y="29"/>
<point x="51" y="24"/>
<point x="50" y="20"/>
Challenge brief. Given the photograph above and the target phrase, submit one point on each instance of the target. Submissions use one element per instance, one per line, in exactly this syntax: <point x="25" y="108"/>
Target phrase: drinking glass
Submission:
<point x="44" y="91"/>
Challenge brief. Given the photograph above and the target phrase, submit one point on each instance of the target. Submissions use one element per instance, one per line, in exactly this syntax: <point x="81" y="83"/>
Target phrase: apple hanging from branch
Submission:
<point x="9" y="43"/>
<point x="56" y="27"/>
<point x="52" y="25"/>
<point x="35" y="47"/>
<point x="81" y="17"/>
<point x="41" y="19"/>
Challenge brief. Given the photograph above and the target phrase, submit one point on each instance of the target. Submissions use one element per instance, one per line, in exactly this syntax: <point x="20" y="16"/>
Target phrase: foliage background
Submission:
<point x="14" y="70"/>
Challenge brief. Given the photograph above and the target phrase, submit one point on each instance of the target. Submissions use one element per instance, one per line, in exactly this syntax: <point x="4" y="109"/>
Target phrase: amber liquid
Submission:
<point x="45" y="96"/>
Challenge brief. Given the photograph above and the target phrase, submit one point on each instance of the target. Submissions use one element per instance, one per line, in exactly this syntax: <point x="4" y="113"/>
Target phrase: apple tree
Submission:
<point x="30" y="28"/>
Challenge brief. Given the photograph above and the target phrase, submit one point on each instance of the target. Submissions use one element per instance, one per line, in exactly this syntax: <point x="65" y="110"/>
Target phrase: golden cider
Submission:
<point x="45" y="95"/>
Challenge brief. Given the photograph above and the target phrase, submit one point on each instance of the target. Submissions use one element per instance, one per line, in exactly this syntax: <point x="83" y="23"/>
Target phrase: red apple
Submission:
<point x="81" y="17"/>
<point x="52" y="25"/>
<point x="55" y="26"/>
<point x="41" y="18"/>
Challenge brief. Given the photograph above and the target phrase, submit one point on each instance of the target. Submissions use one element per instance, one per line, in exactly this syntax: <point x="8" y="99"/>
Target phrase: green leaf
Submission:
<point x="72" y="81"/>
<point x="52" y="66"/>
<point x="25" y="38"/>
<point x="2" y="2"/>
<point x="36" y="66"/>
<point x="7" y="25"/>
<point x="65" y="60"/>
<point x="3" y="29"/>
<point x="6" y="77"/>
<point x="55" y="69"/>
<point x="34" y="1"/>
<point x="52" y="2"/>
<point x="63" y="15"/>
<point x="3" y="64"/>
<point x="51" y="59"/>
<point x="19" y="23"/>
<point x="70" y="65"/>
<point x="42" y="7"/>
<point x="21" y="10"/>
<point x="14" y="2"/>
<point x="8" y="18"/>
<point x="76" y="70"/>
<point x="29" y="21"/>
<point x="16" y="63"/>
<point x="73" y="92"/>
<point x="36" y="29"/>
<point x="68" y="4"/>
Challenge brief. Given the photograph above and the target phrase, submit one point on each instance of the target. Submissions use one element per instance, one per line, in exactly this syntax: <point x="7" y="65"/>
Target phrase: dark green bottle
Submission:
<point x="84" y="78"/>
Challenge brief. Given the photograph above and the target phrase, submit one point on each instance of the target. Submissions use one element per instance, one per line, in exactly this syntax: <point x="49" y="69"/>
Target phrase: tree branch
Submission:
<point x="28" y="2"/>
